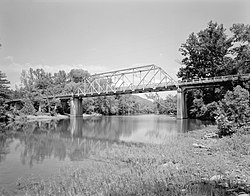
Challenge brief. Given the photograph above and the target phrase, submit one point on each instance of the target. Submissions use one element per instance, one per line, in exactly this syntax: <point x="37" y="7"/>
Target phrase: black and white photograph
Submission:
<point x="125" y="97"/>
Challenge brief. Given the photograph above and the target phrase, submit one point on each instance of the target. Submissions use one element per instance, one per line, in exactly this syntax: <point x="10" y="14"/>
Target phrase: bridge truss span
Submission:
<point x="148" y="78"/>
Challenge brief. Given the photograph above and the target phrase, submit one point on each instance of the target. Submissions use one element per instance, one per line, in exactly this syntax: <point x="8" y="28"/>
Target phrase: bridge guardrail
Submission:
<point x="214" y="79"/>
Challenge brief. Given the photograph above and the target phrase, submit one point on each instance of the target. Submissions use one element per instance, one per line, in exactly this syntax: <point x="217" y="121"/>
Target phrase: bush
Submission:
<point x="28" y="108"/>
<point x="233" y="112"/>
<point x="2" y="113"/>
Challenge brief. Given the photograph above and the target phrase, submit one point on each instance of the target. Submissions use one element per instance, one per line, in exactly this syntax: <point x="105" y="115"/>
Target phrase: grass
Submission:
<point x="176" y="167"/>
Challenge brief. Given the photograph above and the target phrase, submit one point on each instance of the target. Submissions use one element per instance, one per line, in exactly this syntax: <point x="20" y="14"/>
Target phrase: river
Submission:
<point x="41" y="148"/>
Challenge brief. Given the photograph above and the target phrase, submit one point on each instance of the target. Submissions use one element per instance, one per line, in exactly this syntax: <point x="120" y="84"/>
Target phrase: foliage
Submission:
<point x="4" y="86"/>
<point x="204" y="53"/>
<point x="4" y="94"/>
<point x="28" y="108"/>
<point x="171" y="104"/>
<point x="211" y="52"/>
<point x="241" y="49"/>
<point x="117" y="105"/>
<point x="208" y="111"/>
<point x="201" y="106"/>
<point x="2" y="113"/>
<point x="78" y="75"/>
<point x="71" y="87"/>
<point x="164" y="106"/>
<point x="233" y="112"/>
<point x="33" y="80"/>
<point x="60" y="78"/>
<point x="38" y="84"/>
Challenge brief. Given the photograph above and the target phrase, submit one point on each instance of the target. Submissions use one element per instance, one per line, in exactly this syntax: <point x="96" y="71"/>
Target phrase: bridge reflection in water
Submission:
<point x="76" y="138"/>
<point x="42" y="148"/>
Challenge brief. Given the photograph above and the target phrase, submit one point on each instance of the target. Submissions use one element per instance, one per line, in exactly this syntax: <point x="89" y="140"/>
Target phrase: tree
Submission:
<point x="59" y="82"/>
<point x="4" y="86"/>
<point x="71" y="87"/>
<point x="210" y="53"/>
<point x="170" y="104"/>
<point x="60" y="77"/>
<point x="28" y="108"/>
<point x="36" y="80"/>
<point x="205" y="52"/>
<point x="233" y="112"/>
<point x="164" y="106"/>
<point x="4" y="94"/>
<point x="78" y="75"/>
<point x="42" y="79"/>
<point x="241" y="49"/>
<point x="38" y="84"/>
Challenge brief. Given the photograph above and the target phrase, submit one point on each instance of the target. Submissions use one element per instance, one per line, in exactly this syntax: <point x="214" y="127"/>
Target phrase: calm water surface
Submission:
<point x="42" y="148"/>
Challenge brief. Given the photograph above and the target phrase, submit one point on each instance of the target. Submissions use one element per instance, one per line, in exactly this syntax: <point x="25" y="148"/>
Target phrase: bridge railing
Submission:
<point x="215" y="79"/>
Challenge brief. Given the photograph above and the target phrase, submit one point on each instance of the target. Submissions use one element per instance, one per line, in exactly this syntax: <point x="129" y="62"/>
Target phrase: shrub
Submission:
<point x="28" y="108"/>
<point x="233" y="112"/>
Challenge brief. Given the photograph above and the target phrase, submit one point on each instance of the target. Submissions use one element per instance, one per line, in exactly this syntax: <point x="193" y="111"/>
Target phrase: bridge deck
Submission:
<point x="214" y="80"/>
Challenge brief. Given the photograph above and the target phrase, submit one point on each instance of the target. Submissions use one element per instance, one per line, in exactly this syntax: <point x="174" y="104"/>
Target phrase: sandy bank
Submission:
<point x="45" y="117"/>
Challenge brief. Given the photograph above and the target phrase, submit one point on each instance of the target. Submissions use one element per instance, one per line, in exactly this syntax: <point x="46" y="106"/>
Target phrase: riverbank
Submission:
<point x="186" y="164"/>
<point x="42" y="117"/>
<point x="46" y="117"/>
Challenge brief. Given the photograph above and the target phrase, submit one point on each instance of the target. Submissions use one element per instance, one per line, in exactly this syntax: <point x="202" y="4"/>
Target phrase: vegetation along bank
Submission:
<point x="188" y="164"/>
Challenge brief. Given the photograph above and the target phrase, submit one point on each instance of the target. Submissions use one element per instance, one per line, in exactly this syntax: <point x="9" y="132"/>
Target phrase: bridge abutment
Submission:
<point x="181" y="104"/>
<point x="76" y="108"/>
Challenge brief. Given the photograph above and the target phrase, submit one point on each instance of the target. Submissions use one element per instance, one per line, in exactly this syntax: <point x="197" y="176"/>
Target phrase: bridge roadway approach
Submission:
<point x="143" y="79"/>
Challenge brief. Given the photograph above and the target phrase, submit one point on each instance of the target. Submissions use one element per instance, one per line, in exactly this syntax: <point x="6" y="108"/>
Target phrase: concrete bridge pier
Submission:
<point x="181" y="104"/>
<point x="76" y="109"/>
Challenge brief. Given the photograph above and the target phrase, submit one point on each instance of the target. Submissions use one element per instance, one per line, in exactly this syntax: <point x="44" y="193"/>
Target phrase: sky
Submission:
<point x="104" y="35"/>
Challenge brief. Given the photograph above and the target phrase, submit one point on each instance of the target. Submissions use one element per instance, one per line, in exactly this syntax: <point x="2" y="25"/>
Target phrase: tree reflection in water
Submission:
<point x="77" y="138"/>
<point x="4" y="147"/>
<point x="103" y="127"/>
<point x="73" y="138"/>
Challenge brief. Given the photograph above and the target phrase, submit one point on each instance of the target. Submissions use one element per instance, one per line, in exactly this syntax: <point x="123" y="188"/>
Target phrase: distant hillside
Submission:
<point x="142" y="101"/>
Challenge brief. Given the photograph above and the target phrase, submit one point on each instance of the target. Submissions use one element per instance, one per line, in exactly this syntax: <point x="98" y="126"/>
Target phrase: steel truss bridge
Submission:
<point x="149" y="78"/>
<point x="143" y="79"/>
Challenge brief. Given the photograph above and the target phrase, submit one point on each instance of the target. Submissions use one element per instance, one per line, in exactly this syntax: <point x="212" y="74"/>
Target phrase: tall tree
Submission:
<point x="4" y="94"/>
<point x="78" y="75"/>
<point x="241" y="48"/>
<point x="209" y="53"/>
<point x="59" y="82"/>
<point x="205" y="52"/>
<point x="4" y="86"/>
<point x="60" y="77"/>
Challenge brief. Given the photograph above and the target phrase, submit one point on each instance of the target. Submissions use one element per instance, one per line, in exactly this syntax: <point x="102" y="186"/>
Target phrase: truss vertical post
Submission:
<point x="133" y="81"/>
<point x="140" y="76"/>
<point x="84" y="87"/>
<point x="154" y="76"/>
<point x="106" y="86"/>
